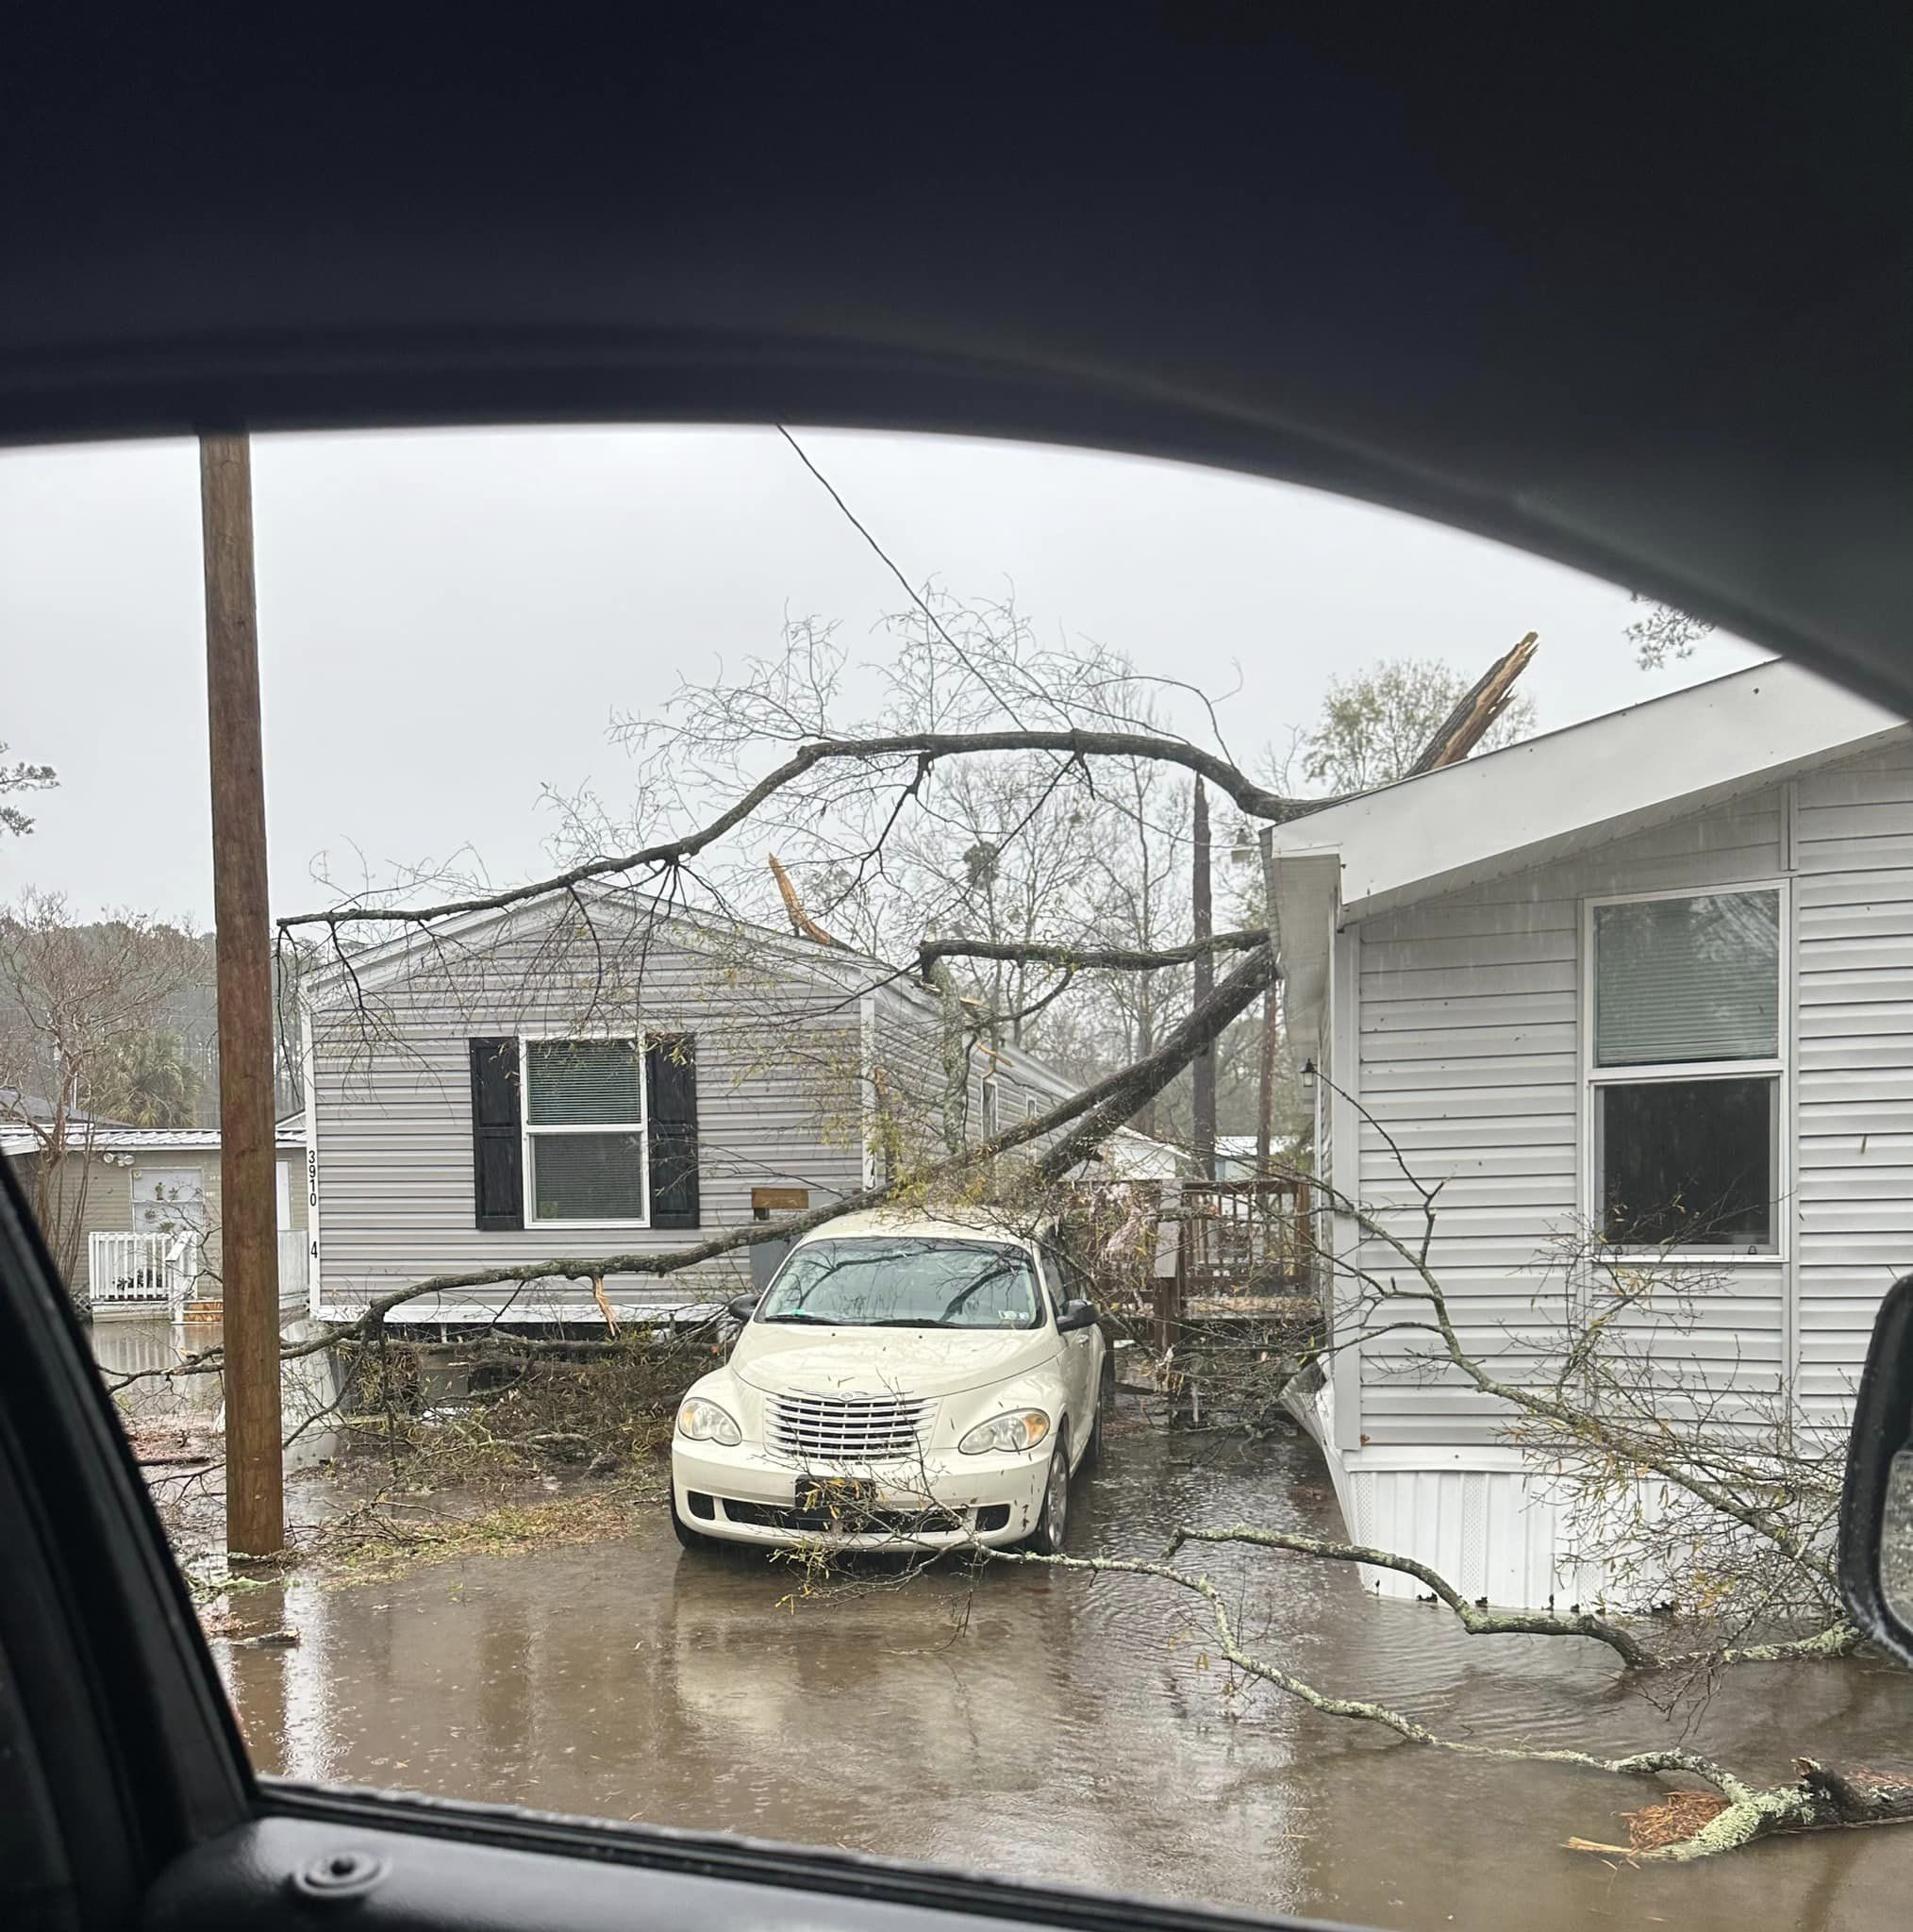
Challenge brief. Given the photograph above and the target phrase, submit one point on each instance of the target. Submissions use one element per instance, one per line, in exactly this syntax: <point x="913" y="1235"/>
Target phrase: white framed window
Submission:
<point x="1684" y="1032"/>
<point x="585" y="1124"/>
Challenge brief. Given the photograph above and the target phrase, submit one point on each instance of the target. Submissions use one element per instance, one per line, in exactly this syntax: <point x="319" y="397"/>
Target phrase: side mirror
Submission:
<point x="1075" y="1315"/>
<point x="1876" y="1506"/>
<point x="742" y="1308"/>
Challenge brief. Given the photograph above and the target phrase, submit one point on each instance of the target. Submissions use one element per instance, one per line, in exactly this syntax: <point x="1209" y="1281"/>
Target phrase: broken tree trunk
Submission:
<point x="1466" y="725"/>
<point x="1688" y="1825"/>
<point x="800" y="921"/>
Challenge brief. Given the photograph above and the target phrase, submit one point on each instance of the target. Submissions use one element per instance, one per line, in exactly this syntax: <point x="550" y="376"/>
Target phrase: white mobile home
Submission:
<point x="592" y="1076"/>
<point x="1647" y="983"/>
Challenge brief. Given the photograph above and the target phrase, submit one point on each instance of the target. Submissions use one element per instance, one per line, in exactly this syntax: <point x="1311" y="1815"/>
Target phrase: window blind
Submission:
<point x="1687" y="979"/>
<point x="588" y="1176"/>
<point x="582" y="1083"/>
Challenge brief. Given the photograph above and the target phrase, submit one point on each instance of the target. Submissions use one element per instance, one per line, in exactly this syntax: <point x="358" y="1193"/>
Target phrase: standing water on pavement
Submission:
<point x="1061" y="1726"/>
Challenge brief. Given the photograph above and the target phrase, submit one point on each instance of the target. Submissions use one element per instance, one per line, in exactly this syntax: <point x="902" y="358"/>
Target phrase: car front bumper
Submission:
<point x="940" y="1502"/>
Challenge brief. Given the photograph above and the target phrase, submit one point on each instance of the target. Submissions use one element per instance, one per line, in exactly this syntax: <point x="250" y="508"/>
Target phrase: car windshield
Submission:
<point x="906" y="1281"/>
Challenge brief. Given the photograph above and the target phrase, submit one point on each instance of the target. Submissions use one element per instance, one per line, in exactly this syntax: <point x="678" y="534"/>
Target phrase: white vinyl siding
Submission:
<point x="778" y="1091"/>
<point x="1853" y="1079"/>
<point x="1470" y="1045"/>
<point x="785" y="1061"/>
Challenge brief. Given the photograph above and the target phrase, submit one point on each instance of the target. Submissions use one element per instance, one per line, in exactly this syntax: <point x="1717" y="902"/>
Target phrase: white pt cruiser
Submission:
<point x="902" y="1383"/>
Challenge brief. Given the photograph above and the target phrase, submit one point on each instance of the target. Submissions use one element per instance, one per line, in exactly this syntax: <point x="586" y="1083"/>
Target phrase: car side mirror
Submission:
<point x="1876" y="1505"/>
<point x="1075" y="1315"/>
<point x="742" y="1308"/>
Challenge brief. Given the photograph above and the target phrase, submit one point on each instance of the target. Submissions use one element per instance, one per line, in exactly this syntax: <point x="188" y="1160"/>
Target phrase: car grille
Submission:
<point x="845" y="1428"/>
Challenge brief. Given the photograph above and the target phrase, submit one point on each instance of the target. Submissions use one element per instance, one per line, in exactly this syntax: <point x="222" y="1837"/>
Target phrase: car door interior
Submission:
<point x="126" y="1796"/>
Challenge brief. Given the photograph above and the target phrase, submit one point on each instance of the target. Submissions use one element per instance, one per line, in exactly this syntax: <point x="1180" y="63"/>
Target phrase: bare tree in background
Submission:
<point x="1375" y="723"/>
<point x="75" y="999"/>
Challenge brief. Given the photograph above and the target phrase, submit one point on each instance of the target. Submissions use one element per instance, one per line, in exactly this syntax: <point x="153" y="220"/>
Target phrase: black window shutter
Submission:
<point x="497" y="1152"/>
<point x="671" y="1082"/>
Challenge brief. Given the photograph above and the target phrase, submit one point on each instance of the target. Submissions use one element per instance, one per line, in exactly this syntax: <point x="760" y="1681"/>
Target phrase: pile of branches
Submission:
<point x="500" y="1408"/>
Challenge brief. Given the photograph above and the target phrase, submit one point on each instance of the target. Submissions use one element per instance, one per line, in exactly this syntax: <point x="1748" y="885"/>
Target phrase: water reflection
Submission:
<point x="165" y="1393"/>
<point x="1066" y="1726"/>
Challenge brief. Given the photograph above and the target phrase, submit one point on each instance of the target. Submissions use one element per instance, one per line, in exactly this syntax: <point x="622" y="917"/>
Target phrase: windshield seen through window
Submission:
<point x="906" y="1282"/>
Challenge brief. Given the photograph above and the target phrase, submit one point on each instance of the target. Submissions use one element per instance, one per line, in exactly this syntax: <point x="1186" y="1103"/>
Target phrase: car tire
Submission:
<point x="1106" y="1401"/>
<point x="691" y="1539"/>
<point x="1052" y="1530"/>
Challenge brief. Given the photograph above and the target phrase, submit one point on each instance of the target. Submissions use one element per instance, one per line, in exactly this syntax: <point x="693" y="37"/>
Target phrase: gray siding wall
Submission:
<point x="779" y="1099"/>
<point x="1470" y="1031"/>
<point x="1854" y="1083"/>
<point x="784" y="1097"/>
<point x="1470" y="1058"/>
<point x="910" y="1064"/>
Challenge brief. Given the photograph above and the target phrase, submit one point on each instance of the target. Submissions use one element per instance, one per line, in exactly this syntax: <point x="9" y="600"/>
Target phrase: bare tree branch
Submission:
<point x="1475" y="1618"/>
<point x="928" y="747"/>
<point x="1086" y="958"/>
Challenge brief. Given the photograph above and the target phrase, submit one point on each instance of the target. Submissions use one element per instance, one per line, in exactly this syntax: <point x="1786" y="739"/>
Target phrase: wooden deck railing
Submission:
<point x="1244" y="1246"/>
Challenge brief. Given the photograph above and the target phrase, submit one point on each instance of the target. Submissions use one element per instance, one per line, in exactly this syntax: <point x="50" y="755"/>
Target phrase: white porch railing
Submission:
<point x="164" y="1269"/>
<point x="155" y="1269"/>
<point x="296" y="1267"/>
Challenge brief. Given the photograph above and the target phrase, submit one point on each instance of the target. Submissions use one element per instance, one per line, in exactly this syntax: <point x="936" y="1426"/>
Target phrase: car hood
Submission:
<point x="872" y="1361"/>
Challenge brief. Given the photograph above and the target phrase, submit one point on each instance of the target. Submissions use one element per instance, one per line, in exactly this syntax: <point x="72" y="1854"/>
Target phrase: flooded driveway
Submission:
<point x="1060" y="1725"/>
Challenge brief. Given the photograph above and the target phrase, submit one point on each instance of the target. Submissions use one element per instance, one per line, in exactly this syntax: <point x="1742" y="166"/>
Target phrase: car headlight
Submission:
<point x="700" y="1421"/>
<point x="1023" y="1429"/>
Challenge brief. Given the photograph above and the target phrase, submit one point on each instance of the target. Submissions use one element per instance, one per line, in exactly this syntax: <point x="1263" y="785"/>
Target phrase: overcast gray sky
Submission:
<point x="447" y="620"/>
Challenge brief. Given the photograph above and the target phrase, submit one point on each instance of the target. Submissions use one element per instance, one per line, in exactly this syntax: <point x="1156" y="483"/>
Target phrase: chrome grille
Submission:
<point x="845" y="1428"/>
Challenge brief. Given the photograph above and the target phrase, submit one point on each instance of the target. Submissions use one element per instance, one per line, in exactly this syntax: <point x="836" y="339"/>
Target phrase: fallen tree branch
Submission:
<point x="1475" y="1618"/>
<point x="928" y="747"/>
<point x="1086" y="958"/>
<point x="1819" y="1800"/>
<point x="1635" y="1764"/>
<point x="1123" y="1093"/>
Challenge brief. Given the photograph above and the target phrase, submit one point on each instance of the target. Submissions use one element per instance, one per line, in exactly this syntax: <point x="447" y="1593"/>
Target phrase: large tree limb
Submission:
<point x="1635" y="1764"/>
<point x="1125" y="1092"/>
<point x="1836" y="1641"/>
<point x="1086" y="958"/>
<point x="1821" y="1798"/>
<point x="928" y="747"/>
<point x="1476" y="1619"/>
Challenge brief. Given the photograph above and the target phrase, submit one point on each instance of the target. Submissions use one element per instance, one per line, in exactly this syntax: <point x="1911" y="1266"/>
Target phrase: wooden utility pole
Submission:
<point x="1205" y="1064"/>
<point x="249" y="1252"/>
<point x="1265" y="1099"/>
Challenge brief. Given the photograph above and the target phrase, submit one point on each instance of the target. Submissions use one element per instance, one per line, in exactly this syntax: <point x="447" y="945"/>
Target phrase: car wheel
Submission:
<point x="690" y="1537"/>
<point x="1053" y="1523"/>
<point x="1106" y="1401"/>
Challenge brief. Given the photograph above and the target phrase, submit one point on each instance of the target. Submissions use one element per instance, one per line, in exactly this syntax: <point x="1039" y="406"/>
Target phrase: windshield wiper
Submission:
<point x="799" y="1315"/>
<point x="903" y="1322"/>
